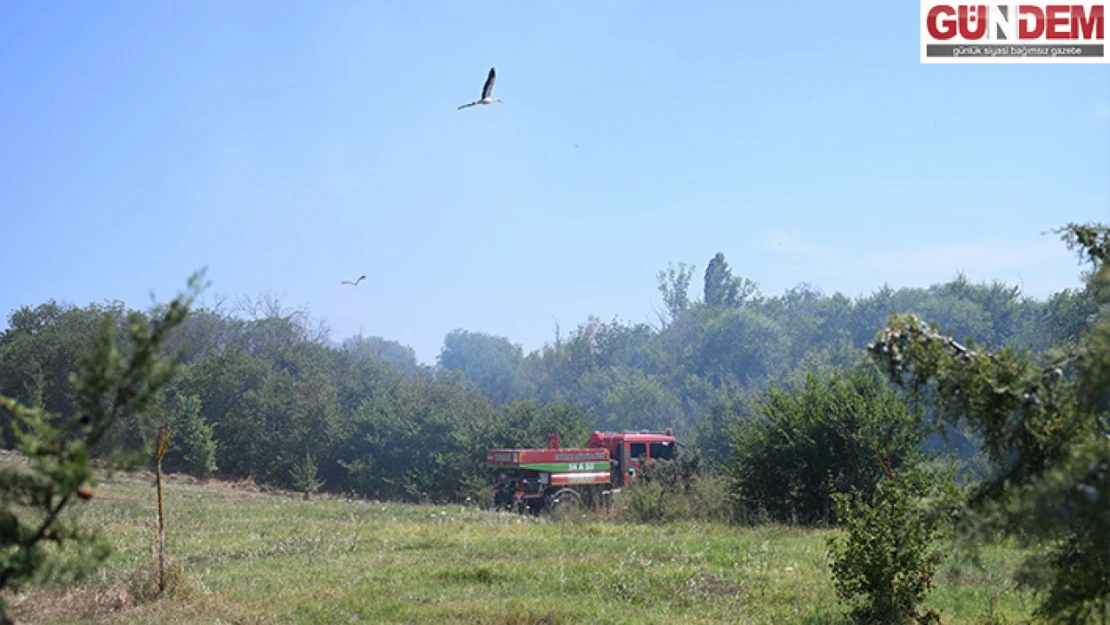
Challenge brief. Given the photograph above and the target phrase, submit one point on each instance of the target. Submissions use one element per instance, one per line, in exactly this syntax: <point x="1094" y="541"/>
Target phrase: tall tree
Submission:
<point x="724" y="289"/>
<point x="674" y="286"/>
<point x="720" y="290"/>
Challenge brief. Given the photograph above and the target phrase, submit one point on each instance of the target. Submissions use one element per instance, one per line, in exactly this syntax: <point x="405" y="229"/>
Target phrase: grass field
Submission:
<point x="249" y="557"/>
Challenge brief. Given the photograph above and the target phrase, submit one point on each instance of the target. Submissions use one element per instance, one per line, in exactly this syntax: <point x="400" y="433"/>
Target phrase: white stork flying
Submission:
<point x="486" y="91"/>
<point x="355" y="283"/>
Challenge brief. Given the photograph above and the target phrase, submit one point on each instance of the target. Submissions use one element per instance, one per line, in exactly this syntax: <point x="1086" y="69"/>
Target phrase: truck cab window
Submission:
<point x="637" y="450"/>
<point x="662" y="451"/>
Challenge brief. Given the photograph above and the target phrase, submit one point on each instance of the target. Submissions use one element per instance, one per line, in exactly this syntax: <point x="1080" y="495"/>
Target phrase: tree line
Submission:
<point x="263" y="390"/>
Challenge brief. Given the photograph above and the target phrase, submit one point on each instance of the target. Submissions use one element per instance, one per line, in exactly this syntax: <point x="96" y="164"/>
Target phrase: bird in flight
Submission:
<point x="355" y="283"/>
<point x="486" y="91"/>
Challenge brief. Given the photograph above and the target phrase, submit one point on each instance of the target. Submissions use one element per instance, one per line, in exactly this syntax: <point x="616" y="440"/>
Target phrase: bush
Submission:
<point x="816" y="439"/>
<point x="684" y="489"/>
<point x="887" y="562"/>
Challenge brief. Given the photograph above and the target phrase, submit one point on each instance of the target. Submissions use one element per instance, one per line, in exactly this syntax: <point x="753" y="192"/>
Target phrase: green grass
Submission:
<point x="245" y="557"/>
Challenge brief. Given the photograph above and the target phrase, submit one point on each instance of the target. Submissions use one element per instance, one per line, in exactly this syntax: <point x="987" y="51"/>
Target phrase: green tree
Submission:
<point x="719" y="289"/>
<point x="205" y="332"/>
<point x="626" y="399"/>
<point x="490" y="362"/>
<point x="722" y="288"/>
<point x="1044" y="425"/>
<point x="674" y="286"/>
<point x="107" y="387"/>
<point x="415" y="440"/>
<point x="731" y="406"/>
<point x="886" y="562"/>
<point x="38" y="350"/>
<point x="195" y="441"/>
<point x="304" y="476"/>
<point x="740" y="345"/>
<point x="231" y="385"/>
<point x="819" y="438"/>
<point x="398" y="355"/>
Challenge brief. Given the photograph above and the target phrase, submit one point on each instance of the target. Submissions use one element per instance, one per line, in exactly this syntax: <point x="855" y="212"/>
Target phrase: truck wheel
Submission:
<point x="565" y="500"/>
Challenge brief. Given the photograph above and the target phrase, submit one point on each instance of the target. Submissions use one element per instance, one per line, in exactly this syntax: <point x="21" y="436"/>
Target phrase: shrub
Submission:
<point x="684" y="489"/>
<point x="887" y="562"/>
<point x="304" y="477"/>
<point x="815" y="439"/>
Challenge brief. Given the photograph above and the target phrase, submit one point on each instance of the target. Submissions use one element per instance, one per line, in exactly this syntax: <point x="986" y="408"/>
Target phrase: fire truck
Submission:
<point x="558" y="478"/>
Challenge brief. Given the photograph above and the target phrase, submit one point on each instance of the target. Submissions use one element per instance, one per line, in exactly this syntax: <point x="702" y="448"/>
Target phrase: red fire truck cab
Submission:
<point x="630" y="451"/>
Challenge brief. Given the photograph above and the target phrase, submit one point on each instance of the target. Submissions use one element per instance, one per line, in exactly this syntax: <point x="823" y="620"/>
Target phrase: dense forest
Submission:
<point x="266" y="394"/>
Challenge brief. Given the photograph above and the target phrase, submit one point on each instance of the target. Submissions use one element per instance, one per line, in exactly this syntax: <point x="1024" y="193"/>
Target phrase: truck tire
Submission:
<point x="564" y="500"/>
<point x="503" y="500"/>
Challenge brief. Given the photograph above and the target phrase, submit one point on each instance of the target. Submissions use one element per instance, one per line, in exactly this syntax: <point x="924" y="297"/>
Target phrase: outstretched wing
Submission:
<point x="488" y="88"/>
<point x="465" y="106"/>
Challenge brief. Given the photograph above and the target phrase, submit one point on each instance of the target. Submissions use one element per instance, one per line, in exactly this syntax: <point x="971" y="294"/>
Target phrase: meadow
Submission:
<point x="248" y="557"/>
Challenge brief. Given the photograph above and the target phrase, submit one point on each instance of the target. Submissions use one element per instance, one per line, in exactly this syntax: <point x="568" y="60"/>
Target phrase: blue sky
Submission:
<point x="290" y="145"/>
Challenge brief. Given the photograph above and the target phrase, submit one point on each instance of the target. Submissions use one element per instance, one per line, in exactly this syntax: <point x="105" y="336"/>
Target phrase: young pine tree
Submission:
<point x="108" y="388"/>
<point x="195" y="438"/>
<point x="304" y="476"/>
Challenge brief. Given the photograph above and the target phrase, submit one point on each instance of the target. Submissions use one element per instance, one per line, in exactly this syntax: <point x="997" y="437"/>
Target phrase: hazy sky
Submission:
<point x="290" y="145"/>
